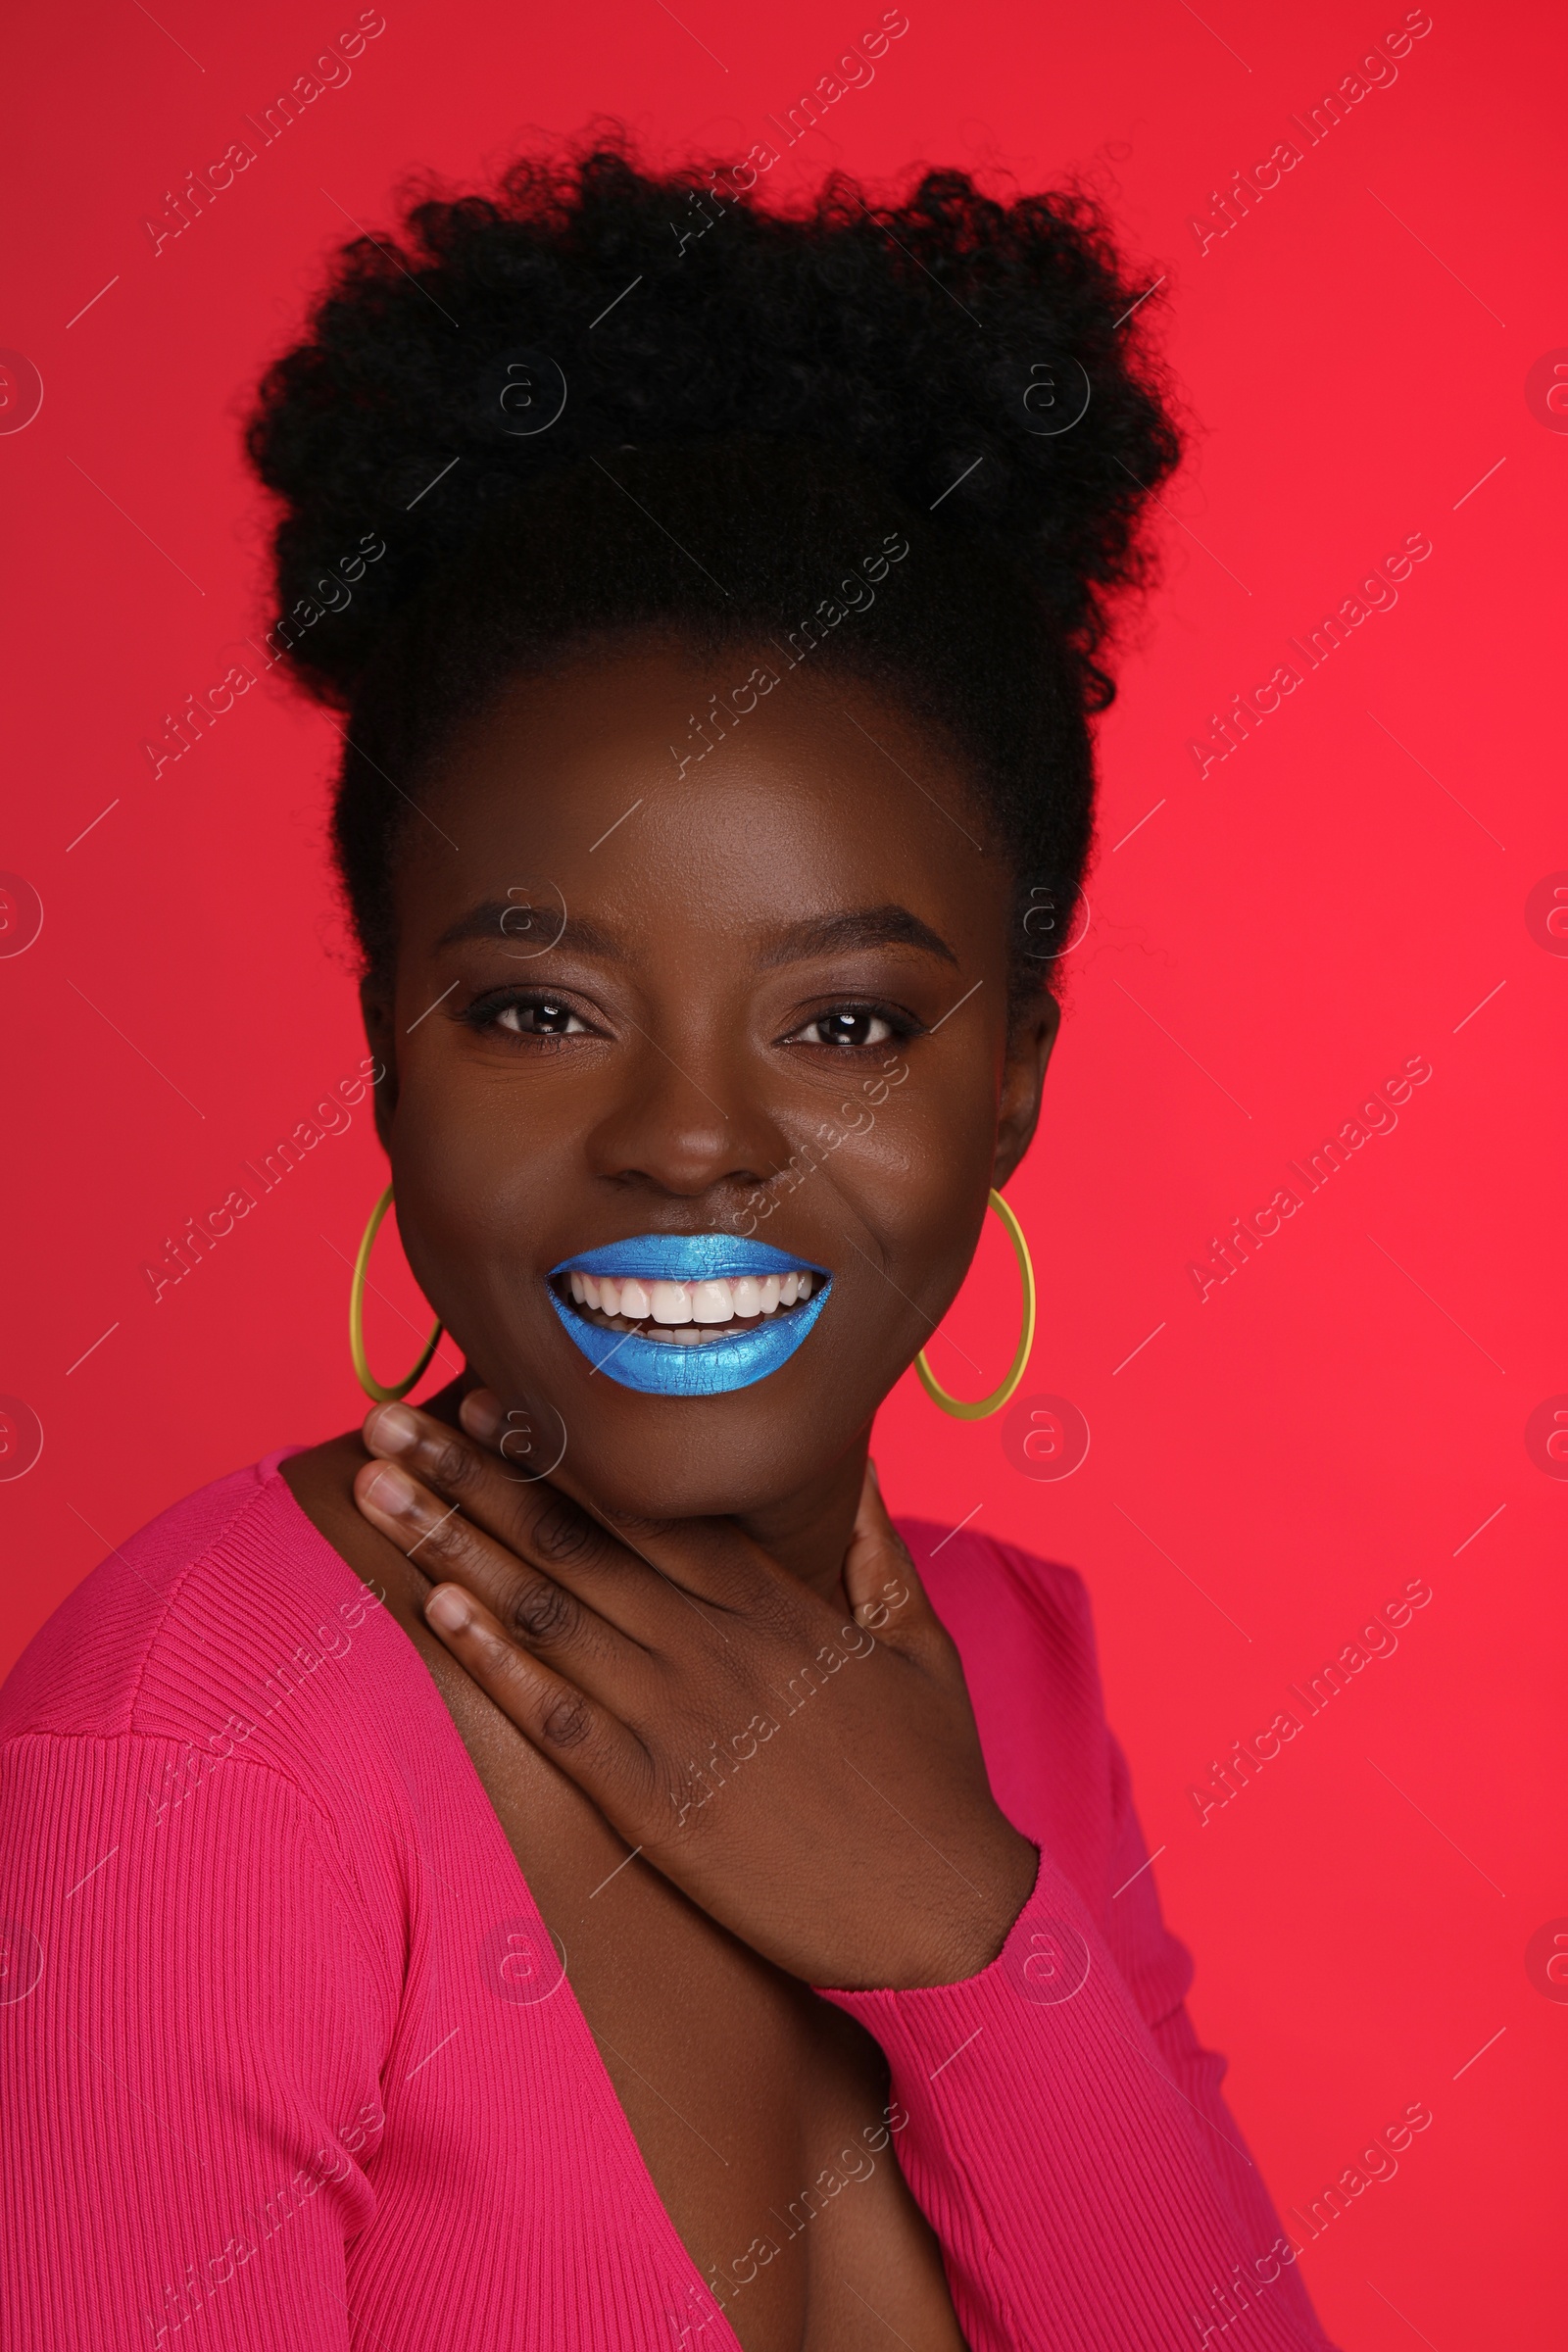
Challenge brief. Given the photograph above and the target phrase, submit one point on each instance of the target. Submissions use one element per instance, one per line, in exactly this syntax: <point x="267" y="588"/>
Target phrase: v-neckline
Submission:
<point x="449" y="1732"/>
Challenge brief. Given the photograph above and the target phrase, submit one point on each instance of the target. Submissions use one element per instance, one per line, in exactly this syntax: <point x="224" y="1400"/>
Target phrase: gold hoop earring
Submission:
<point x="984" y="1405"/>
<point x="366" y="1377"/>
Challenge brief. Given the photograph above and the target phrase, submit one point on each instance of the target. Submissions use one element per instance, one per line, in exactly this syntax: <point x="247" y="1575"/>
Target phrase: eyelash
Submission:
<point x="486" y="1015"/>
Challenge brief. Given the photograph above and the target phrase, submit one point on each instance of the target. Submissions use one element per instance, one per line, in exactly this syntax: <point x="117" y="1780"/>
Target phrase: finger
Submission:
<point x="533" y="1520"/>
<point x="884" y="1591"/>
<point x="587" y="1739"/>
<point x="530" y="1606"/>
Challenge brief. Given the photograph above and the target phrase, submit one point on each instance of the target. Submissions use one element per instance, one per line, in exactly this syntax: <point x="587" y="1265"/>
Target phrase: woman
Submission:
<point x="564" y="1868"/>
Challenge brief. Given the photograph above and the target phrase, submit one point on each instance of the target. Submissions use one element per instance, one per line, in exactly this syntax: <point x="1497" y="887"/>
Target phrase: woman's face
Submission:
<point x="760" y="999"/>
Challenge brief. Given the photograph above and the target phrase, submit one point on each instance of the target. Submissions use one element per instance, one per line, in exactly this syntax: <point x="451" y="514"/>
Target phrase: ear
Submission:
<point x="1023" y="1076"/>
<point x="380" y="1035"/>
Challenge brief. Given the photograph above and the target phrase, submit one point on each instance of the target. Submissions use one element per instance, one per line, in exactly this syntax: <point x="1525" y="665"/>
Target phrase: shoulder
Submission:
<point x="1025" y="1636"/>
<point x="198" y="1616"/>
<point x="992" y="1597"/>
<point x="166" y="1744"/>
<point x="224" y="1676"/>
<point x="82" y="1669"/>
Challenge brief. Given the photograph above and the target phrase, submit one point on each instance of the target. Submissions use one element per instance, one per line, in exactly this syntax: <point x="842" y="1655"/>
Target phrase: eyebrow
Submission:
<point x="886" y="926"/>
<point x="889" y="926"/>
<point x="486" y="921"/>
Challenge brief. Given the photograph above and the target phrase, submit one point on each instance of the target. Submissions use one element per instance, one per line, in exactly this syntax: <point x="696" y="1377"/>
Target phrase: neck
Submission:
<point x="806" y="1533"/>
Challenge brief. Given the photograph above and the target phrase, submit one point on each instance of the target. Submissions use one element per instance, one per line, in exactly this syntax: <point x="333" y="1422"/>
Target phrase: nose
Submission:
<point x="686" y="1126"/>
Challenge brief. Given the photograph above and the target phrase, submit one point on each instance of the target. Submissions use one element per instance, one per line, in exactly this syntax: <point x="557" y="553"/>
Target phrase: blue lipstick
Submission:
<point x="749" y="1350"/>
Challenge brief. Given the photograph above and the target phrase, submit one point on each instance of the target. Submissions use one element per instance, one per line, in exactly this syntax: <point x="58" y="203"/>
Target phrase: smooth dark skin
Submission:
<point x="688" y="1555"/>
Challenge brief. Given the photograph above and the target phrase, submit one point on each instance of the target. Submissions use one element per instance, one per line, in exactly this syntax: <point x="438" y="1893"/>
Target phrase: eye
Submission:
<point x="538" y="1015"/>
<point x="541" y="1017"/>
<point x="850" y="1025"/>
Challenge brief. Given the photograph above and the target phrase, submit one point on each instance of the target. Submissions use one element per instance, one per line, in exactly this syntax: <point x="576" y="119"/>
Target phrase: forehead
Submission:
<point x="728" y="789"/>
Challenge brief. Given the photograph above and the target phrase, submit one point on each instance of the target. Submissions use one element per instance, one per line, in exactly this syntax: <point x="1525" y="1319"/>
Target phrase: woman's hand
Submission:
<point x="812" y="1778"/>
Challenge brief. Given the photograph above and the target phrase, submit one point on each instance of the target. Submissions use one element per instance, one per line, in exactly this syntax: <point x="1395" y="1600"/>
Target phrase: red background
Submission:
<point x="1279" y="936"/>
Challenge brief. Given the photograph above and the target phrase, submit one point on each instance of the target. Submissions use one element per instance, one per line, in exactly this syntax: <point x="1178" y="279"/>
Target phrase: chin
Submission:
<point x="641" y="1455"/>
<point x="692" y="1472"/>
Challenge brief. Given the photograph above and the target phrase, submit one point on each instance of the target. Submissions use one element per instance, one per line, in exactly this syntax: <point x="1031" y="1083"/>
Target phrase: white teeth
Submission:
<point x="690" y="1310"/>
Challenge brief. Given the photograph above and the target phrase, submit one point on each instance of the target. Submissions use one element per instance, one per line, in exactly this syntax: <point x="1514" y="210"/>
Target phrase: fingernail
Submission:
<point x="447" y="1609"/>
<point x="393" y="1427"/>
<point x="390" y="1491"/>
<point x="481" y="1415"/>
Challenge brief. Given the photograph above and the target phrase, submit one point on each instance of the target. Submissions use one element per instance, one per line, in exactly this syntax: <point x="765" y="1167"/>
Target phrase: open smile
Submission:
<point x="687" y="1314"/>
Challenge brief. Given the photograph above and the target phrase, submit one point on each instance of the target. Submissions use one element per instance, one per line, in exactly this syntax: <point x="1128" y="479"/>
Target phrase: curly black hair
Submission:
<point x="605" y="400"/>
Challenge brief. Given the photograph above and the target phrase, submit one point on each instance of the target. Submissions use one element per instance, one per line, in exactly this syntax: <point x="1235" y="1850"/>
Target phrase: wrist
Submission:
<point x="968" y="1935"/>
<point x="983" y="1928"/>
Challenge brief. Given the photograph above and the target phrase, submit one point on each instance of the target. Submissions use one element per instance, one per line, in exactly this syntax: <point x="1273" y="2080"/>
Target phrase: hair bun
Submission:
<point x="986" y="358"/>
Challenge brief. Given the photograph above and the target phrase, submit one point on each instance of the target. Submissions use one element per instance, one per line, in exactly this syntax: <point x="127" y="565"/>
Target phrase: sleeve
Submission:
<point x="1158" y="1971"/>
<point x="191" y="2023"/>
<point x="1065" y="2135"/>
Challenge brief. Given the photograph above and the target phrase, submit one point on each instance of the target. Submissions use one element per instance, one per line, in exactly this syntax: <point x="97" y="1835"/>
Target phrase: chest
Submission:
<point x="762" y="2112"/>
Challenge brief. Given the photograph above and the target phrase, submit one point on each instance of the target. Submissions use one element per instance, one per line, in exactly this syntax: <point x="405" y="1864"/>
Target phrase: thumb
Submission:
<point x="879" y="1578"/>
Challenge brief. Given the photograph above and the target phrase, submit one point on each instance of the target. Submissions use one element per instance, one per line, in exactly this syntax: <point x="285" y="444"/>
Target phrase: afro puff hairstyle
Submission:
<point x="603" y="401"/>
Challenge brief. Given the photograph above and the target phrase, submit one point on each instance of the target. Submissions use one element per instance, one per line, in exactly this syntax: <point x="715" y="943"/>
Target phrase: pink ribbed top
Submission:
<point x="287" y="2060"/>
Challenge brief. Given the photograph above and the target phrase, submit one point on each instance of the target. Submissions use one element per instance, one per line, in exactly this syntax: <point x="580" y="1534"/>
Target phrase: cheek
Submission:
<point x="479" y="1174"/>
<point x="912" y="1185"/>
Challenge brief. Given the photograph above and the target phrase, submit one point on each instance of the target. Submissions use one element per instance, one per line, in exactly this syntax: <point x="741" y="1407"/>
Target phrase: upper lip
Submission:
<point x="685" y="1257"/>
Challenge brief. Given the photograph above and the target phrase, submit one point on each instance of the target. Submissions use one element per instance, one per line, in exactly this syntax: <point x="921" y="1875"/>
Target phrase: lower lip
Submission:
<point x="711" y="1368"/>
